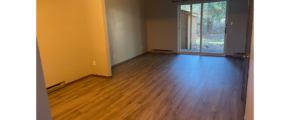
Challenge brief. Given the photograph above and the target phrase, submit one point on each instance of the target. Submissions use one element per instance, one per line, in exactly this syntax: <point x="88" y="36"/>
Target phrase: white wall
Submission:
<point x="126" y="29"/>
<point x="249" y="112"/>
<point x="42" y="110"/>
<point x="161" y="16"/>
<point x="236" y="33"/>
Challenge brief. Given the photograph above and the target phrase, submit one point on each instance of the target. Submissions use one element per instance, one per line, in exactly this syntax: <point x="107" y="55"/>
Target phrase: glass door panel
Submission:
<point x="213" y="27"/>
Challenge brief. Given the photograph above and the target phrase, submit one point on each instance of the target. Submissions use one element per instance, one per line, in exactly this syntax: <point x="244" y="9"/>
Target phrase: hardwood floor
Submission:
<point x="156" y="87"/>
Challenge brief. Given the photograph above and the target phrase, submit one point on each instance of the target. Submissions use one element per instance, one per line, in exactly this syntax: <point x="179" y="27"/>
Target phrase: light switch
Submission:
<point x="232" y="23"/>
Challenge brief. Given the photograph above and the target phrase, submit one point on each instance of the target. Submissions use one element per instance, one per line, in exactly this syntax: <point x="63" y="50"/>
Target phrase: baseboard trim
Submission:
<point x="229" y="55"/>
<point x="100" y="76"/>
<point x="129" y="59"/>
<point x="161" y="53"/>
<point x="95" y="75"/>
<point x="78" y="80"/>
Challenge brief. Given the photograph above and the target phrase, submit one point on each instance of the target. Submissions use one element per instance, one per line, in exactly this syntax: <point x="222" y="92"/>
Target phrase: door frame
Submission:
<point x="250" y="31"/>
<point x="179" y="28"/>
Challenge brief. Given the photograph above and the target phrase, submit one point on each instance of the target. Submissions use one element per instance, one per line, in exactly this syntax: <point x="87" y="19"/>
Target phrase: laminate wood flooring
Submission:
<point x="156" y="87"/>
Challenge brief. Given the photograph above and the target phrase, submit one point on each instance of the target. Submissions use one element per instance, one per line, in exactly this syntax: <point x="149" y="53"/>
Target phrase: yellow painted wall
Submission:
<point x="71" y="35"/>
<point x="96" y="25"/>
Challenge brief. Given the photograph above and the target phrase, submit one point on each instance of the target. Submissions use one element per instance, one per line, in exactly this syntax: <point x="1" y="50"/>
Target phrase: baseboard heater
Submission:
<point x="162" y="51"/>
<point x="239" y="54"/>
<point x="55" y="87"/>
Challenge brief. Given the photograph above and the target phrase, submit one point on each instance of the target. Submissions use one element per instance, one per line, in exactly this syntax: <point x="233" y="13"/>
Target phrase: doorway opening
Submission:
<point x="202" y="28"/>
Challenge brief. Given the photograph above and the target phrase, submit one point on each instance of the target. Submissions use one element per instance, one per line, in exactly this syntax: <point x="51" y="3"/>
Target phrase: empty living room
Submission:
<point x="145" y="59"/>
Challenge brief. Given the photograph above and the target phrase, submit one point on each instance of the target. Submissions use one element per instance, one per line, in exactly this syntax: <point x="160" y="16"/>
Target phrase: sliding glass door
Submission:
<point x="202" y="27"/>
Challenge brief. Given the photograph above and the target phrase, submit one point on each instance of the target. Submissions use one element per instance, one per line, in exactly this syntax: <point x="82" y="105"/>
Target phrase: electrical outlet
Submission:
<point x="94" y="63"/>
<point x="232" y="23"/>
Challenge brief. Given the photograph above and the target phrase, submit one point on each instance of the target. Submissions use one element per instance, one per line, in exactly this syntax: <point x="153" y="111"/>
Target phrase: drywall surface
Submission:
<point x="126" y="29"/>
<point x="71" y="35"/>
<point x="249" y="112"/>
<point x="236" y="33"/>
<point x="96" y="28"/>
<point x="161" y="17"/>
<point x="43" y="109"/>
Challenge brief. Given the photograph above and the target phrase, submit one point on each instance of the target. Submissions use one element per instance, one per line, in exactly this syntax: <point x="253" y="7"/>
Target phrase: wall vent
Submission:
<point x="55" y="87"/>
<point x="162" y="51"/>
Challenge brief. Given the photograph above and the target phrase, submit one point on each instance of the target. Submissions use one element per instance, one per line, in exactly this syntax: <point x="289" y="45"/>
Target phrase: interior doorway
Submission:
<point x="202" y="28"/>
